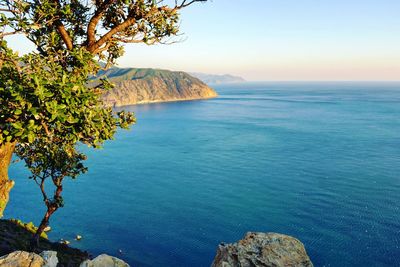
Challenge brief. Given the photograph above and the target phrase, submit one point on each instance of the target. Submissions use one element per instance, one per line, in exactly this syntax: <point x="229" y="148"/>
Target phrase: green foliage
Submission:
<point x="40" y="98"/>
<point x="47" y="107"/>
<point x="101" y="26"/>
<point x="51" y="160"/>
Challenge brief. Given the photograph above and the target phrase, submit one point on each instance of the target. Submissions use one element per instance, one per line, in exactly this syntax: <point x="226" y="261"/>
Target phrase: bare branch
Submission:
<point x="45" y="198"/>
<point x="5" y="10"/>
<point x="185" y="3"/>
<point x="9" y="33"/>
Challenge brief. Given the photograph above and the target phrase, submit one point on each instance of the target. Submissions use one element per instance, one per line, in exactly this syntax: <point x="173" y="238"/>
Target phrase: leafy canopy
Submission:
<point x="45" y="94"/>
<point x="99" y="26"/>
<point x="42" y="99"/>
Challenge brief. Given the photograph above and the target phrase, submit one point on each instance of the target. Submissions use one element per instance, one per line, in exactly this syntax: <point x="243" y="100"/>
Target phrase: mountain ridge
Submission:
<point x="145" y="85"/>
<point x="216" y="78"/>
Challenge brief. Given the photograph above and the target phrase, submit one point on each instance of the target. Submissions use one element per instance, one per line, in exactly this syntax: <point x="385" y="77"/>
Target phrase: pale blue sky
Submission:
<point x="283" y="40"/>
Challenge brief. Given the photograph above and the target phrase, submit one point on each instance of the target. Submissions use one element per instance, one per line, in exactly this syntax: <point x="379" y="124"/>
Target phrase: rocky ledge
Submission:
<point x="140" y="86"/>
<point x="16" y="236"/>
<point x="263" y="249"/>
<point x="49" y="259"/>
<point x="256" y="249"/>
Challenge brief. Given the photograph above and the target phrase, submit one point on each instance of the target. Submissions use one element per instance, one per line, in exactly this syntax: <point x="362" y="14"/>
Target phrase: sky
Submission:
<point x="282" y="40"/>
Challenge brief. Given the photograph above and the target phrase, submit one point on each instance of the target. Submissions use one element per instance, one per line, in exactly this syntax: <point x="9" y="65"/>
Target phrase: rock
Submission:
<point x="104" y="260"/>
<point x="64" y="242"/>
<point x="138" y="86"/>
<point x="263" y="249"/>
<point x="21" y="259"/>
<point x="50" y="258"/>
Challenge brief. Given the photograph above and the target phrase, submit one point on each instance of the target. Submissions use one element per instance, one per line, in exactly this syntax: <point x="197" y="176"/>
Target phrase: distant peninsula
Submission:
<point x="142" y="85"/>
<point x="217" y="79"/>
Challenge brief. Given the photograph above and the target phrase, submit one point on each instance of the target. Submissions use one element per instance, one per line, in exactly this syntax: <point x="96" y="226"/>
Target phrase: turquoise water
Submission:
<point x="319" y="161"/>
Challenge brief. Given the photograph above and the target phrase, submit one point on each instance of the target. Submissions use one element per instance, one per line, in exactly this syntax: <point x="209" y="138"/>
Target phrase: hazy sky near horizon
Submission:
<point x="283" y="40"/>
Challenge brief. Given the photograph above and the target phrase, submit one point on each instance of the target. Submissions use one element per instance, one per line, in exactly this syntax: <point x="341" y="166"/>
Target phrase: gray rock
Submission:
<point x="50" y="258"/>
<point x="21" y="259"/>
<point x="104" y="260"/>
<point x="263" y="249"/>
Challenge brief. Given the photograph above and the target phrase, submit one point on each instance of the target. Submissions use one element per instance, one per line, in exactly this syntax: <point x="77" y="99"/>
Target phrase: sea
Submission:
<point x="319" y="161"/>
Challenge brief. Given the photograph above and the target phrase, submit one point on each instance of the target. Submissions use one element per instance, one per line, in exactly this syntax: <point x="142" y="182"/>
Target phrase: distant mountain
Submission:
<point x="138" y="86"/>
<point x="217" y="79"/>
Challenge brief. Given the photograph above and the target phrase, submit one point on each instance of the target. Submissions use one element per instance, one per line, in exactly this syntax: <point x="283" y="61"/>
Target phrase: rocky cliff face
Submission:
<point x="138" y="86"/>
<point x="263" y="249"/>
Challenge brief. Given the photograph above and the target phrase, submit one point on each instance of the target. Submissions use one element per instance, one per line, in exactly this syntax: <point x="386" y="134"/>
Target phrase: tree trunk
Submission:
<point x="6" y="151"/>
<point x="51" y="208"/>
<point x="43" y="224"/>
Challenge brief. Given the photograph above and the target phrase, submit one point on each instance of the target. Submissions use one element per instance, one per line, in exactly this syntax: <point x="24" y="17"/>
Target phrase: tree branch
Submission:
<point x="45" y="198"/>
<point x="185" y="3"/>
<point x="5" y="10"/>
<point x="9" y="33"/>
<point x="61" y="29"/>
<point x="64" y="35"/>
<point x="91" y="30"/>
<point x="94" y="47"/>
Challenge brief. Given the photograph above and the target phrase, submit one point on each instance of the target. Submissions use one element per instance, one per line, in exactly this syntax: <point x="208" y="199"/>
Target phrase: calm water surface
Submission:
<point x="319" y="161"/>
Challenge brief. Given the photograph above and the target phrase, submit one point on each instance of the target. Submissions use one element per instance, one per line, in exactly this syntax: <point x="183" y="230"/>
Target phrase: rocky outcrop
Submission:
<point x="16" y="236"/>
<point x="22" y="259"/>
<point x="263" y="249"/>
<point x="139" y="86"/>
<point x="49" y="259"/>
<point x="256" y="249"/>
<point x="104" y="260"/>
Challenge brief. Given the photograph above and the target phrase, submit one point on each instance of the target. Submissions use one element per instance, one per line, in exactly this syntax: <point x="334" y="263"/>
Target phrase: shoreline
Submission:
<point x="163" y="101"/>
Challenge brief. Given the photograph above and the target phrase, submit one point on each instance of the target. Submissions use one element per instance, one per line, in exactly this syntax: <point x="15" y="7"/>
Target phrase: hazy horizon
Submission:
<point x="266" y="40"/>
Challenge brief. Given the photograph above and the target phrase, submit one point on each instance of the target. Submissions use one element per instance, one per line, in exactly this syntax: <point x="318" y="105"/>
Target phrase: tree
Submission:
<point x="44" y="96"/>
<point x="42" y="99"/>
<point x="54" y="161"/>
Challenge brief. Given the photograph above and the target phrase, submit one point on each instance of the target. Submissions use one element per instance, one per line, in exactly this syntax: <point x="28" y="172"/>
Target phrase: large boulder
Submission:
<point x="104" y="260"/>
<point x="21" y="259"/>
<point x="263" y="249"/>
<point x="50" y="258"/>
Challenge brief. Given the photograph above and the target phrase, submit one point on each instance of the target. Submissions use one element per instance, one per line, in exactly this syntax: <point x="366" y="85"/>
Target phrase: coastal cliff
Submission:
<point x="140" y="86"/>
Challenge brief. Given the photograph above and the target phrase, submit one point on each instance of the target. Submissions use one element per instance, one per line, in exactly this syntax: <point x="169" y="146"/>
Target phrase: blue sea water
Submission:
<point x="319" y="161"/>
